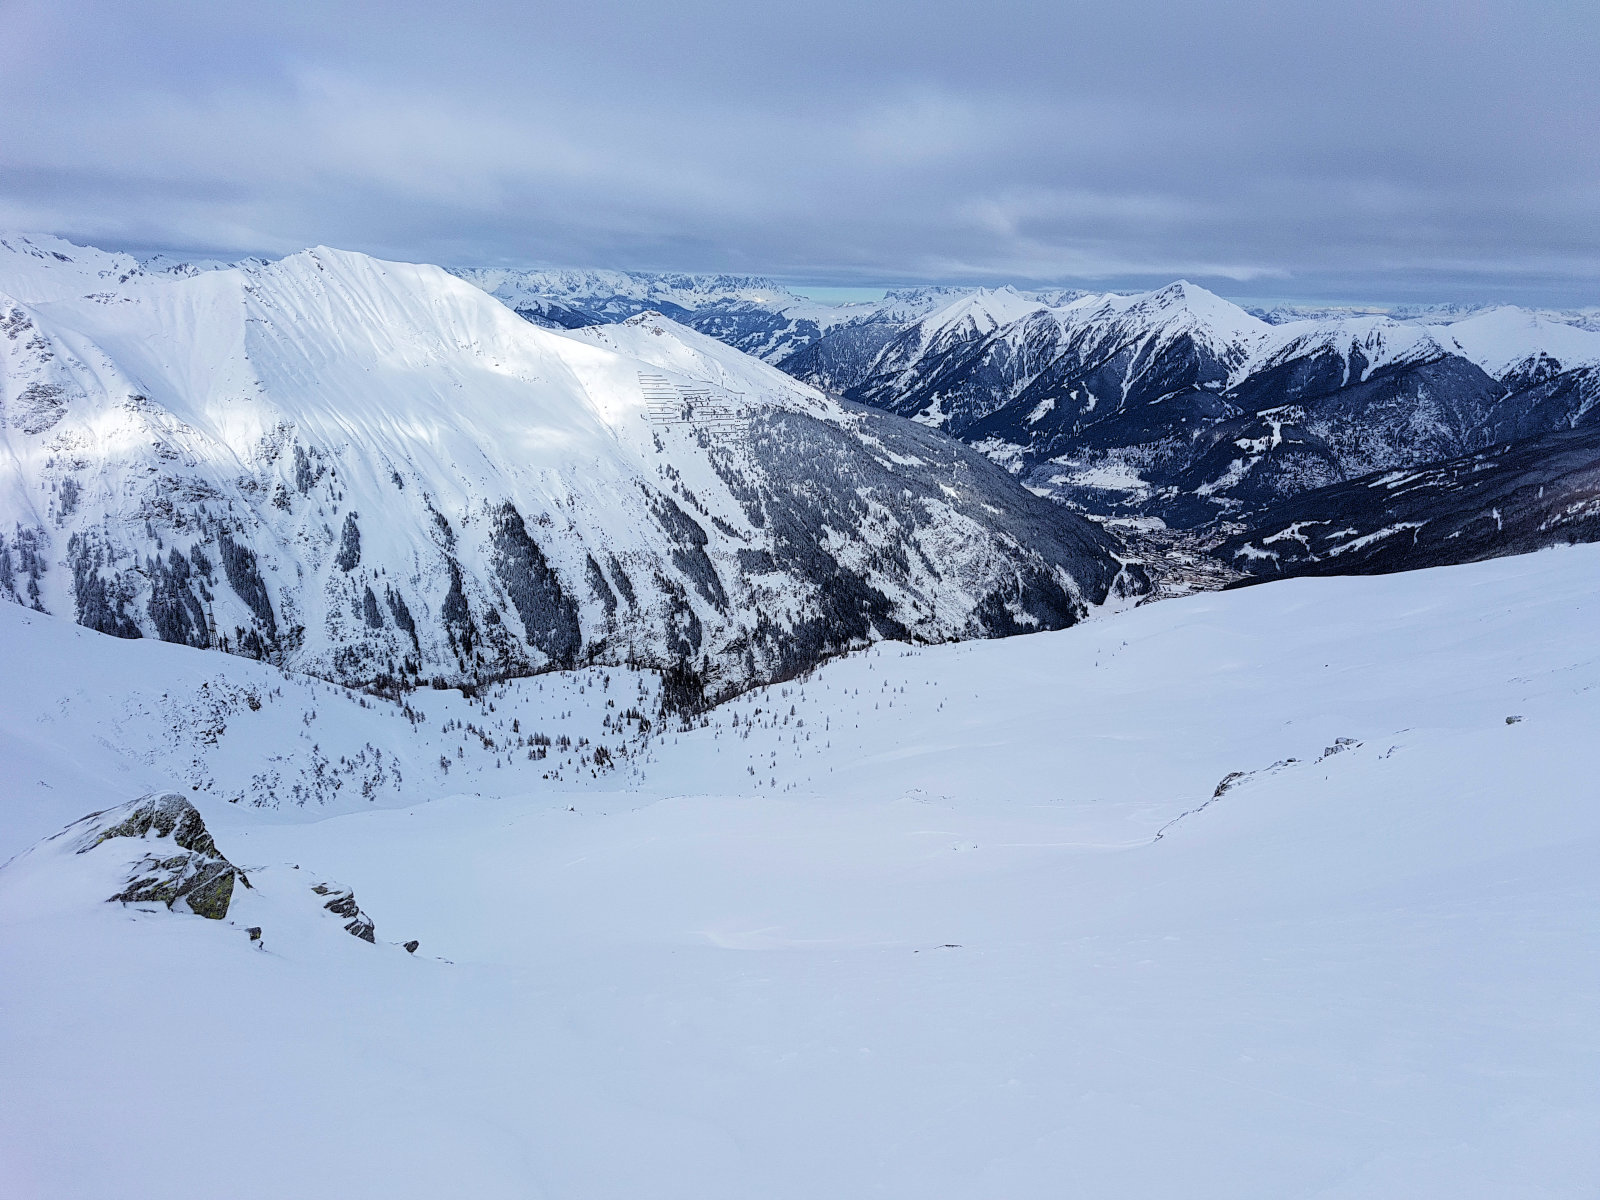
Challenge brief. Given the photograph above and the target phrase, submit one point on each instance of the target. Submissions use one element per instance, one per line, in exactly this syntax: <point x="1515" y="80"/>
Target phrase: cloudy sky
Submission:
<point x="1358" y="150"/>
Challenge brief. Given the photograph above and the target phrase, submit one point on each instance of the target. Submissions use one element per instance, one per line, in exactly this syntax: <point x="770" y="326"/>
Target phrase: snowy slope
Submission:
<point x="977" y="313"/>
<point x="375" y="472"/>
<point x="1278" y="893"/>
<point x="41" y="267"/>
<point x="107" y="716"/>
<point x="1504" y="339"/>
<point x="1361" y="344"/>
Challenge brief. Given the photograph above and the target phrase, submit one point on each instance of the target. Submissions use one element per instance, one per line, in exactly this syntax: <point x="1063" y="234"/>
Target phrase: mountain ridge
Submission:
<point x="377" y="473"/>
<point x="1172" y="405"/>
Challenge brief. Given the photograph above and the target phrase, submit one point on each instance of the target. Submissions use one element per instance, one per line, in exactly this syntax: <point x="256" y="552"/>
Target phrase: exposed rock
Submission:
<point x="1340" y="745"/>
<point x="188" y="871"/>
<point x="157" y="850"/>
<point x="341" y="902"/>
<point x="38" y="407"/>
<point x="1228" y="781"/>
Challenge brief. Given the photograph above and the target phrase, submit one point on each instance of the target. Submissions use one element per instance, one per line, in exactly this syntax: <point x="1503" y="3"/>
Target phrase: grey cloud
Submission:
<point x="1363" y="150"/>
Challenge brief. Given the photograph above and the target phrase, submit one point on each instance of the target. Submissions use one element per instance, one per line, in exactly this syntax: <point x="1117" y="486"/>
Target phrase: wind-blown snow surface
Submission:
<point x="975" y="920"/>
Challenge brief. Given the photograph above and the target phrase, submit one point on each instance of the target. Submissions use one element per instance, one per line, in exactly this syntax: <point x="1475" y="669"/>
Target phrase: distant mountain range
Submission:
<point x="1193" y="426"/>
<point x="1172" y="405"/>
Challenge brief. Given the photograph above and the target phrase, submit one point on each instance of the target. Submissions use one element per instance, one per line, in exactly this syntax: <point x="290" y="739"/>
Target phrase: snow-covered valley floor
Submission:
<point x="960" y="921"/>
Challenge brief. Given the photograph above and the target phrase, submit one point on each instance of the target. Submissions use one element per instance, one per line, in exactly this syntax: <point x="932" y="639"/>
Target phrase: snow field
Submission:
<point x="100" y="718"/>
<point x="960" y="963"/>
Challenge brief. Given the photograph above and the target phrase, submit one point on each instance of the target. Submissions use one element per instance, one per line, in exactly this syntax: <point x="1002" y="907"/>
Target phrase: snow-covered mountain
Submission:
<point x="750" y="313"/>
<point x="41" y="267"/>
<point x="380" y="474"/>
<point x="1426" y="314"/>
<point x="982" y="356"/>
<point x="829" y="345"/>
<point x="1175" y="405"/>
<point x="1178" y="404"/>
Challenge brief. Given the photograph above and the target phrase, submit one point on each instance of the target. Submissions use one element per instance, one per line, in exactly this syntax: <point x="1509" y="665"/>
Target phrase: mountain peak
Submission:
<point x="984" y="309"/>
<point x="377" y="472"/>
<point x="1184" y="307"/>
<point x="37" y="268"/>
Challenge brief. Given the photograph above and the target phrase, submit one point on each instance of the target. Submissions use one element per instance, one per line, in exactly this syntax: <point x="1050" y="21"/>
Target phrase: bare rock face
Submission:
<point x="182" y="867"/>
<point x="156" y="850"/>
<point x="341" y="902"/>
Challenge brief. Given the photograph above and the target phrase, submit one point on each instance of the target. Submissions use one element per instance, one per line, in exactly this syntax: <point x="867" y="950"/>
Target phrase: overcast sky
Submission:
<point x="1359" y="150"/>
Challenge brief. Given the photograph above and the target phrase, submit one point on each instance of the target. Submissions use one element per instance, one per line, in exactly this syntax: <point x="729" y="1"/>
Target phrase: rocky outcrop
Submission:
<point x="181" y="866"/>
<point x="341" y="902"/>
<point x="156" y="850"/>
